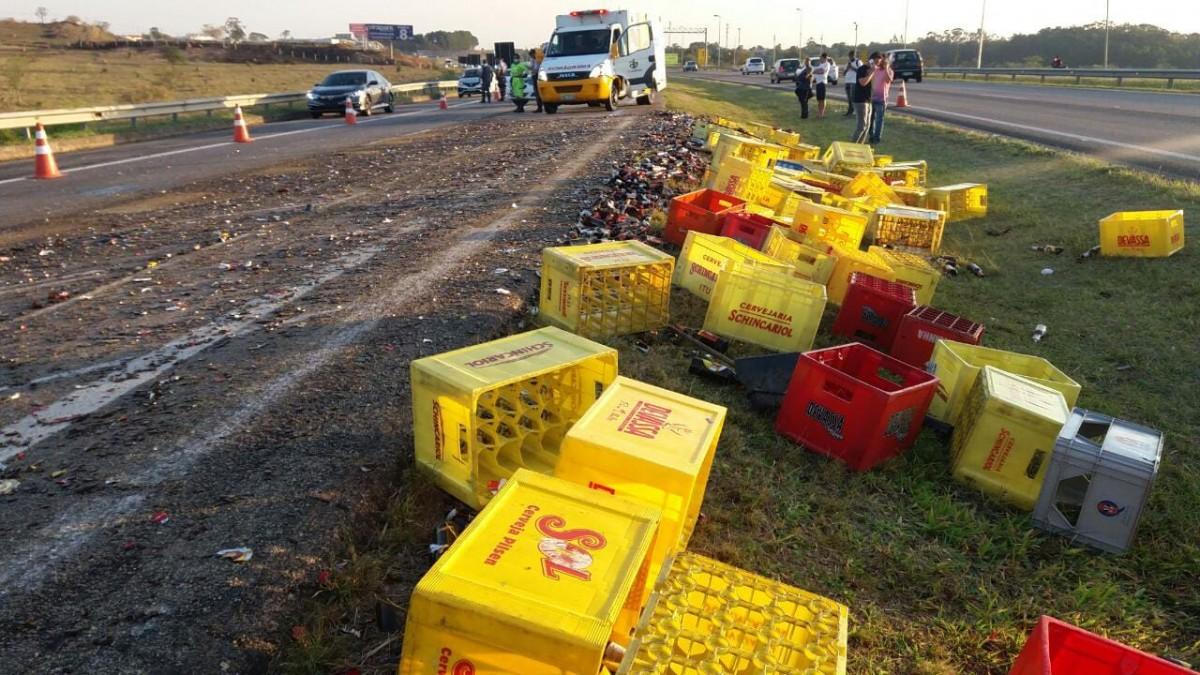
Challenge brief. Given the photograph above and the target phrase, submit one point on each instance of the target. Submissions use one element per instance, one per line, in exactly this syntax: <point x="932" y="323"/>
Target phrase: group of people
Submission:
<point x="520" y="79"/>
<point x="867" y="86"/>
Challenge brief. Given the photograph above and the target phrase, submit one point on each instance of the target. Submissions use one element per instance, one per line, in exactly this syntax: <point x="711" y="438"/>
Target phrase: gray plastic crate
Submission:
<point x="1098" y="481"/>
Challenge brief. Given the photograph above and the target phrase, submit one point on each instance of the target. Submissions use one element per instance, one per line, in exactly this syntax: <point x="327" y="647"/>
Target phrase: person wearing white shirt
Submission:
<point x="825" y="72"/>
<point x="852" y="66"/>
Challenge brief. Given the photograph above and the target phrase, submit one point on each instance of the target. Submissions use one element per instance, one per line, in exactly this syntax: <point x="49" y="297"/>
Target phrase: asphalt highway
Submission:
<point x="1156" y="131"/>
<point x="94" y="177"/>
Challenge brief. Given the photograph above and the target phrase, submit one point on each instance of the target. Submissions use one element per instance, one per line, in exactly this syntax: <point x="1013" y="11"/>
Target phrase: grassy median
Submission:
<point x="939" y="579"/>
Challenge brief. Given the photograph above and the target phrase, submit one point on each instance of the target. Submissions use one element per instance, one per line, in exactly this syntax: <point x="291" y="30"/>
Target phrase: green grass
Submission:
<point x="939" y="578"/>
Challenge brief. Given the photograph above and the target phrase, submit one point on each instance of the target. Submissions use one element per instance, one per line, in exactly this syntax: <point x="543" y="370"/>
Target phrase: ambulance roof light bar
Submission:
<point x="589" y="12"/>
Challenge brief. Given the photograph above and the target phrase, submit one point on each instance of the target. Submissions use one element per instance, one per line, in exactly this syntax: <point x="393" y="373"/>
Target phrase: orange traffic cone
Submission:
<point x="44" y="164"/>
<point x="902" y="99"/>
<point x="442" y="105"/>
<point x="241" y="134"/>
<point x="351" y="114"/>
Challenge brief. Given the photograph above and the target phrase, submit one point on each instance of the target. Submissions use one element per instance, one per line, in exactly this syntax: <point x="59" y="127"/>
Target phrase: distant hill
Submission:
<point x="15" y="33"/>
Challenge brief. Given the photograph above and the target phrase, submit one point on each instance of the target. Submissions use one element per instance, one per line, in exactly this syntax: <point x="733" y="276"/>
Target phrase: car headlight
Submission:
<point x="542" y="77"/>
<point x="359" y="94"/>
<point x="311" y="96"/>
<point x="598" y="71"/>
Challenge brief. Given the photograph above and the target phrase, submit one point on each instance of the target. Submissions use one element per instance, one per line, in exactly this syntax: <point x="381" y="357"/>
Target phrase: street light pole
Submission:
<point x="800" y="47"/>
<point x="982" y="14"/>
<point x="718" y="40"/>
<point x="855" y="36"/>
<point x="1105" y="33"/>
<point x="905" y="23"/>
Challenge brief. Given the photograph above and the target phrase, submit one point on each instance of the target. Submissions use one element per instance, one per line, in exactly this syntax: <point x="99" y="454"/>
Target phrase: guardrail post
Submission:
<point x="987" y="76"/>
<point x="1077" y="79"/>
<point x="133" y="122"/>
<point x="1043" y="79"/>
<point x="964" y="74"/>
<point x="1014" y="77"/>
<point x="1119" y="78"/>
<point x="174" y="117"/>
<point x="1170" y="82"/>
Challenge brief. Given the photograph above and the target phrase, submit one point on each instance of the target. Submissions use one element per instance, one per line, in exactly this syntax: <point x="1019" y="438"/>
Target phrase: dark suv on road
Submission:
<point x="366" y="89"/>
<point x="906" y="64"/>
<point x="784" y="69"/>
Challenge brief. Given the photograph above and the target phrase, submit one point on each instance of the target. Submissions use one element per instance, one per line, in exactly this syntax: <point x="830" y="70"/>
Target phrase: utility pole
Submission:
<point x="718" y="40"/>
<point x="774" y="44"/>
<point x="905" y="23"/>
<point x="727" y="37"/>
<point x="855" y="36"/>
<point x="800" y="47"/>
<point x="1106" y="33"/>
<point x="739" y="45"/>
<point x="982" y="14"/>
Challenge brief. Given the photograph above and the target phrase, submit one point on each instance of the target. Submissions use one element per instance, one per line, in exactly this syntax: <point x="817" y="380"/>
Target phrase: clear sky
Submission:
<point x="530" y="21"/>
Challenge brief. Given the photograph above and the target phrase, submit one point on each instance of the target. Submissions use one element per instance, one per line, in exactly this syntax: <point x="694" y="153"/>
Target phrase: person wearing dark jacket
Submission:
<point x="804" y="87"/>
<point x="485" y="83"/>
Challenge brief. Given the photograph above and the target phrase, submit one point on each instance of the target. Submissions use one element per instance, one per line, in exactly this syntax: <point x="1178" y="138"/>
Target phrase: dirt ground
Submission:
<point x="226" y="365"/>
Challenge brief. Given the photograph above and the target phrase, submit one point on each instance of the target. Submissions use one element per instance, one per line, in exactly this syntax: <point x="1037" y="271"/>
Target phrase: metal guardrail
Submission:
<point x="1120" y="74"/>
<point x="27" y="119"/>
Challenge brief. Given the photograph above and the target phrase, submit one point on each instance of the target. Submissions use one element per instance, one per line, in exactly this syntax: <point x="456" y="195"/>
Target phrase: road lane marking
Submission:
<point x="170" y="153"/>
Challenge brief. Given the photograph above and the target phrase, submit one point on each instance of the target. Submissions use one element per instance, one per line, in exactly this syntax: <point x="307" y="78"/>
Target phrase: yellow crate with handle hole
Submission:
<point x="906" y="227"/>
<point x="739" y="178"/>
<point x="957" y="366"/>
<point x="1005" y="435"/>
<point x="705" y="256"/>
<point x="849" y="261"/>
<point x="912" y="173"/>
<point x="1142" y="234"/>
<point x="961" y="201"/>
<point x="542" y="582"/>
<point x="607" y="289"/>
<point x="650" y="445"/>
<point x="766" y="305"/>
<point x="812" y="259"/>
<point x="869" y="184"/>
<point x="837" y="226"/>
<point x="482" y="412"/>
<point x="843" y="153"/>
<point x="911" y="270"/>
<point x="706" y="617"/>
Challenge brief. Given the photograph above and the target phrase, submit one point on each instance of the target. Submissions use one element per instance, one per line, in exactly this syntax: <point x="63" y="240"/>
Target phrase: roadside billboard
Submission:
<point x="381" y="31"/>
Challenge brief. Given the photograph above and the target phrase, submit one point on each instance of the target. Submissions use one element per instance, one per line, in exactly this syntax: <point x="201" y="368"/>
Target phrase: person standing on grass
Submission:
<point x="862" y="101"/>
<point x="821" y="78"/>
<point x="804" y="84"/>
<point x="881" y="84"/>
<point x="849" y="75"/>
<point x="534" y="66"/>
<point x="486" y="74"/>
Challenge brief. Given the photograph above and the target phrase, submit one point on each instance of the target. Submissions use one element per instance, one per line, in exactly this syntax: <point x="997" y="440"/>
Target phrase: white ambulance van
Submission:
<point x="598" y="57"/>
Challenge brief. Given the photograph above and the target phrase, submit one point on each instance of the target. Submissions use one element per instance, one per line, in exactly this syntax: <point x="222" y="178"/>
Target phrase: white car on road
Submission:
<point x="754" y="66"/>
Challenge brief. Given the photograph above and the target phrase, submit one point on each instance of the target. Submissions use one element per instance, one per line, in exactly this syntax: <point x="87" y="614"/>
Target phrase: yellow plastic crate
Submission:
<point x="608" y="289"/>
<point x="539" y="583"/>
<point x="913" y="173"/>
<point x="650" y="445"/>
<point x="784" y="137"/>
<point x="957" y="366"/>
<point x="726" y="146"/>
<point x="910" y="196"/>
<point x="715" y="132"/>
<point x="1003" y="440"/>
<point x="482" y="412"/>
<point x="869" y="184"/>
<point x="904" y="173"/>
<point x="739" y="178"/>
<point x="908" y="227"/>
<point x="762" y="154"/>
<point x="911" y="270"/>
<point x="884" y="160"/>
<point x="806" y="193"/>
<point x="766" y="306"/>
<point x="706" y="617"/>
<point x="802" y="151"/>
<point x="705" y="256"/>
<point x="1151" y="234"/>
<point x="962" y="201"/>
<point x="836" y="226"/>
<point x="850" y="260"/>
<point x="840" y="152"/>
<point x="815" y="263"/>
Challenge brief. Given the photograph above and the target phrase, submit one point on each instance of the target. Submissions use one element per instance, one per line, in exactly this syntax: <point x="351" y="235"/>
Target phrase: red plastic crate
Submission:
<point x="856" y="404"/>
<point x="1058" y="648"/>
<point x="921" y="328"/>
<point x="749" y="228"/>
<point x="872" y="309"/>
<point x="702" y="211"/>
